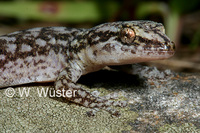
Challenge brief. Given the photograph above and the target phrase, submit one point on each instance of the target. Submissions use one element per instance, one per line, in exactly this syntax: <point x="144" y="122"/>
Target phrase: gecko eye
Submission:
<point x="127" y="35"/>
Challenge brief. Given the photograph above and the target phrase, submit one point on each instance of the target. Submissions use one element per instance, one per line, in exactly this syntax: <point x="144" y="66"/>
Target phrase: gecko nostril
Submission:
<point x="173" y="45"/>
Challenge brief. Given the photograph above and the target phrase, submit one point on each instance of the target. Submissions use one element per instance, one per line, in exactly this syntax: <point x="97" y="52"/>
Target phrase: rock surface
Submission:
<point x="158" y="102"/>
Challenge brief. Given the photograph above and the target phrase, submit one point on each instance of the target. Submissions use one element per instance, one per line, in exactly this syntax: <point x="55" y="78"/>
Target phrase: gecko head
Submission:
<point x="129" y="42"/>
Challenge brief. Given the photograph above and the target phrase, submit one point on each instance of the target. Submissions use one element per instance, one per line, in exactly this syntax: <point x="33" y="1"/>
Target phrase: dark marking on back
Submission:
<point x="2" y="42"/>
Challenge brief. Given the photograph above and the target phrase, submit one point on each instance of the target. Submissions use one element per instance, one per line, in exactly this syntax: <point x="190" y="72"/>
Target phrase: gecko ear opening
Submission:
<point x="127" y="35"/>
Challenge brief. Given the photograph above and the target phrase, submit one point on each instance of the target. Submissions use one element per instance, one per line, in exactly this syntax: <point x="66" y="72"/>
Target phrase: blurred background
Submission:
<point x="181" y="19"/>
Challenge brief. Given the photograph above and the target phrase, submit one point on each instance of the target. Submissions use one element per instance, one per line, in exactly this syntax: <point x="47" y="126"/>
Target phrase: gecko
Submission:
<point x="62" y="55"/>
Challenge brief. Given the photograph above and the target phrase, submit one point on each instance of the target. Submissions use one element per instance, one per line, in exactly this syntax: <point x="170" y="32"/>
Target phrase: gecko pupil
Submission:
<point x="127" y="35"/>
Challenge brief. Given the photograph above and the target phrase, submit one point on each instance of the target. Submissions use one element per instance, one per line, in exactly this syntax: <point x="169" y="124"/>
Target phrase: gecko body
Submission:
<point x="61" y="55"/>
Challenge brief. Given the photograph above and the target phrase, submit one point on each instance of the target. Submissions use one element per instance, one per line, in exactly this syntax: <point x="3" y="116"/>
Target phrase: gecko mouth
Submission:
<point x="165" y="48"/>
<point x="154" y="45"/>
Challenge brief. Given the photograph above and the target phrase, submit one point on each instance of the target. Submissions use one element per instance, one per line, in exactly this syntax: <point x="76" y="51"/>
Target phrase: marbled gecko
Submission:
<point x="61" y="55"/>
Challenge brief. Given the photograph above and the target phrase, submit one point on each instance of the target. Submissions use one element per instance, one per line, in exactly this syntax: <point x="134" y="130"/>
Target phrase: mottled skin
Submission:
<point x="62" y="55"/>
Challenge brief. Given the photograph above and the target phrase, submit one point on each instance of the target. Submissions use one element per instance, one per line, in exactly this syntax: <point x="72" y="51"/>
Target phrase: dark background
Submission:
<point x="181" y="19"/>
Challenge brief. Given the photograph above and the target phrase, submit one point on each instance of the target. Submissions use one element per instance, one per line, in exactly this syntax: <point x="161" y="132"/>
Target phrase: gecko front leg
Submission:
<point x="66" y="81"/>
